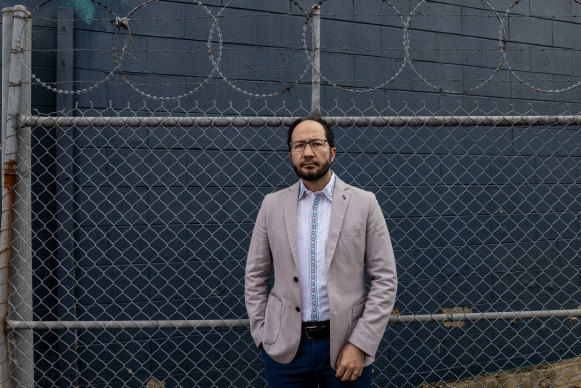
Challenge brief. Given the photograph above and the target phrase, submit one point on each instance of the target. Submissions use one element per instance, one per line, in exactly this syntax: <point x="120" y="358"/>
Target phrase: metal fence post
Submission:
<point x="316" y="76"/>
<point x="7" y="200"/>
<point x="17" y="156"/>
<point x="6" y="47"/>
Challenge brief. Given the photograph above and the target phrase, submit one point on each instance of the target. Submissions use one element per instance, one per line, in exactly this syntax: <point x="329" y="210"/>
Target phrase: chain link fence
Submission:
<point x="139" y="234"/>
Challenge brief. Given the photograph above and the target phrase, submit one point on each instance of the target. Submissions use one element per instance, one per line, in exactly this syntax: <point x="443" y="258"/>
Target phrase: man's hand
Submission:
<point x="350" y="363"/>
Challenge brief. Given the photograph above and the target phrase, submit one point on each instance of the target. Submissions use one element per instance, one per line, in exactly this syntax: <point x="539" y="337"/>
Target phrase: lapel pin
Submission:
<point x="344" y="196"/>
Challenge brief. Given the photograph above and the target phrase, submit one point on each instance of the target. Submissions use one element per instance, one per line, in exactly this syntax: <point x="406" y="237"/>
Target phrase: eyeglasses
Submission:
<point x="300" y="145"/>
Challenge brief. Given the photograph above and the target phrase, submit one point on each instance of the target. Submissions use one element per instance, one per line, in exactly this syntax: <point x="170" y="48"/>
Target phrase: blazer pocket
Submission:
<point x="351" y="245"/>
<point x="272" y="320"/>
<point x="356" y="313"/>
<point x="353" y="230"/>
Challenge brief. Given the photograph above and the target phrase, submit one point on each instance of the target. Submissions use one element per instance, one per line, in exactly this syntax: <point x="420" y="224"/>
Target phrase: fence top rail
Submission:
<point x="273" y="121"/>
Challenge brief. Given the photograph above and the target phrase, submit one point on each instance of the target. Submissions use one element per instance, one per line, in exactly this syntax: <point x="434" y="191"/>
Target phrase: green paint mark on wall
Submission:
<point x="85" y="9"/>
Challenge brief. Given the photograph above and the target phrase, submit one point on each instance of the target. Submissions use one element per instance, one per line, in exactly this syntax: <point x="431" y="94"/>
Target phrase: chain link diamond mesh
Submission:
<point x="152" y="224"/>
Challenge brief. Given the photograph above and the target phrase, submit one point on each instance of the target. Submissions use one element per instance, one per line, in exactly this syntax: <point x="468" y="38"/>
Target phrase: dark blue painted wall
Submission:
<point x="486" y="218"/>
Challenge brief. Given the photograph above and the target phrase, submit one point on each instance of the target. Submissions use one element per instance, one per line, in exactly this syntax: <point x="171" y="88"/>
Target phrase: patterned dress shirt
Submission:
<point x="313" y="218"/>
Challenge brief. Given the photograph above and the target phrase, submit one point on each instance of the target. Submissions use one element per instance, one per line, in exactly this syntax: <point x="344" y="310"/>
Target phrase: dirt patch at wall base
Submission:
<point x="556" y="375"/>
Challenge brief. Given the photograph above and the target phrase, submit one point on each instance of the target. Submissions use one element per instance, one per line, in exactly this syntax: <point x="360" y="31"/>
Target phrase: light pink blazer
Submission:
<point x="357" y="235"/>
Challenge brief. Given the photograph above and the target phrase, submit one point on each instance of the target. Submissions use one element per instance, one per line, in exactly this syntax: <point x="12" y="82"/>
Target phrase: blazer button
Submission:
<point x="298" y="309"/>
<point x="296" y="279"/>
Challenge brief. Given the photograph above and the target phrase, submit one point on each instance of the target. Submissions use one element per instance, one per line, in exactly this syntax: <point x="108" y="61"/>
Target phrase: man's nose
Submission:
<point x="308" y="150"/>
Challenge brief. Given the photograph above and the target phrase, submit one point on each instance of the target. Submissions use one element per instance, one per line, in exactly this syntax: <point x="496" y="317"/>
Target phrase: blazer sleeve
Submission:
<point x="258" y="270"/>
<point x="381" y="270"/>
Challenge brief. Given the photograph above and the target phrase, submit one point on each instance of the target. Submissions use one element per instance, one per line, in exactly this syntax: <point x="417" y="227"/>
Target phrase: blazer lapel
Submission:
<point x="290" y="217"/>
<point x="338" y="209"/>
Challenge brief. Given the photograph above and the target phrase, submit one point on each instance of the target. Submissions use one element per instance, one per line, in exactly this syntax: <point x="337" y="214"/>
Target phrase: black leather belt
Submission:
<point x="316" y="330"/>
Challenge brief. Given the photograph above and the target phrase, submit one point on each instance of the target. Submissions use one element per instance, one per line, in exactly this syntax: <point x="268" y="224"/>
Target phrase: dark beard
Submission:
<point x="313" y="175"/>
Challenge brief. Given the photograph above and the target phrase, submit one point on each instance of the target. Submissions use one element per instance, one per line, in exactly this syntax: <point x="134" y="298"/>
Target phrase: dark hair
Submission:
<point x="328" y="131"/>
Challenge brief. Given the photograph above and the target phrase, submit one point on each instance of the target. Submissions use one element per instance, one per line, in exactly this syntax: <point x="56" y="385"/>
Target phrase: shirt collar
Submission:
<point x="328" y="190"/>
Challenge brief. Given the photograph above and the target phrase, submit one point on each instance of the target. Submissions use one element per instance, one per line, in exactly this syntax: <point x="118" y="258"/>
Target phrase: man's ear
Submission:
<point x="333" y="153"/>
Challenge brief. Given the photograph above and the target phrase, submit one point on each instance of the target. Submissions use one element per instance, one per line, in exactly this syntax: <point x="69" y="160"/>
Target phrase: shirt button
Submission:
<point x="296" y="279"/>
<point x="298" y="309"/>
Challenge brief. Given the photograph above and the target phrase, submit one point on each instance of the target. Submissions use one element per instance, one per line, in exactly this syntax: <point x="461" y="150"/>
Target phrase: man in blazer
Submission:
<point x="318" y="324"/>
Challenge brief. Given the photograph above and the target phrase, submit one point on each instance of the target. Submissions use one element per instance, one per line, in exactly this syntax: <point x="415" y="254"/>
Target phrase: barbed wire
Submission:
<point x="317" y="7"/>
<point x="273" y="14"/>
<point x="233" y="85"/>
<point x="329" y="48"/>
<point x="37" y="79"/>
<point x="408" y="26"/>
<point x="502" y="47"/>
<point x="125" y="26"/>
<point x="519" y="79"/>
<point x="277" y="82"/>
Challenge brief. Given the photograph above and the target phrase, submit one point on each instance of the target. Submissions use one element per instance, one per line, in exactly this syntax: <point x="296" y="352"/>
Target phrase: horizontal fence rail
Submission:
<point x="266" y="121"/>
<point x="120" y="325"/>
